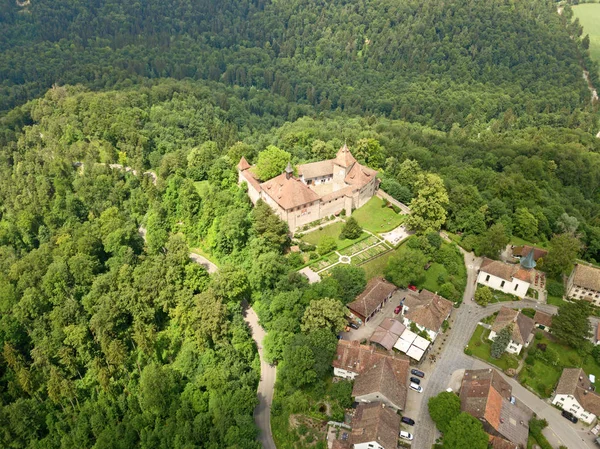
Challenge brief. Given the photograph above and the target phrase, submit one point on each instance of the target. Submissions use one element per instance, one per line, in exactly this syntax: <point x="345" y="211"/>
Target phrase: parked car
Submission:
<point x="406" y="435"/>
<point x="415" y="380"/>
<point x="417" y="388"/>
<point x="353" y="325"/>
<point x="569" y="416"/>
<point x="413" y="288"/>
<point x="398" y="309"/>
<point x="417" y="373"/>
<point x="407" y="420"/>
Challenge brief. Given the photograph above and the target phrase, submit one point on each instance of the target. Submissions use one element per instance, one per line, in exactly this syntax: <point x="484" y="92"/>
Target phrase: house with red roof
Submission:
<point x="508" y="278"/>
<point x="320" y="190"/>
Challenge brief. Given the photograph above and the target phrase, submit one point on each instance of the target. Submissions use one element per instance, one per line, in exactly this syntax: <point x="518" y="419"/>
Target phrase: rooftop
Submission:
<point x="427" y="309"/>
<point x="388" y="333"/>
<point x="486" y="395"/>
<point x="587" y="277"/>
<point x="575" y="382"/>
<point x="522" y="324"/>
<point x="505" y="270"/>
<point x="375" y="422"/>
<point x="523" y="251"/>
<point x="376" y="291"/>
<point x="386" y="377"/>
<point x="289" y="192"/>
<point x="543" y="318"/>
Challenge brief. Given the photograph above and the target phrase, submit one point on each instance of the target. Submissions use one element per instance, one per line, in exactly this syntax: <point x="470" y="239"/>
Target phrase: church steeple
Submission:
<point x="528" y="262"/>
<point x="289" y="171"/>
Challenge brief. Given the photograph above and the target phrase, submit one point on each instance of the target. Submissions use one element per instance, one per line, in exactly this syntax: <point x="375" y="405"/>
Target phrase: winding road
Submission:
<point x="268" y="373"/>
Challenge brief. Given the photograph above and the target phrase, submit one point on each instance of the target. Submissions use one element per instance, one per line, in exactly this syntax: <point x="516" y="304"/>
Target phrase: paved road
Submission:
<point x="262" y="412"/>
<point x="207" y="264"/>
<point x="453" y="358"/>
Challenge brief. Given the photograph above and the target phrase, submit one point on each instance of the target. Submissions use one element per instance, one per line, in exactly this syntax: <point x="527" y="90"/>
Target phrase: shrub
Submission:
<point x="555" y="288"/>
<point x="468" y="351"/>
<point x="351" y="230"/>
<point x="326" y="245"/>
<point x="313" y="255"/>
<point x="539" y="335"/>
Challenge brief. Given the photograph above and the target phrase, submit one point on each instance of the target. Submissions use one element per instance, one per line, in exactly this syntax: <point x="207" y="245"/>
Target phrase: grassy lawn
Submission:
<point x="375" y="218"/>
<point x="431" y="277"/>
<point x="332" y="230"/>
<point x="480" y="347"/>
<point x="543" y="377"/>
<point x="556" y="301"/>
<point x="589" y="16"/>
<point x="518" y="241"/>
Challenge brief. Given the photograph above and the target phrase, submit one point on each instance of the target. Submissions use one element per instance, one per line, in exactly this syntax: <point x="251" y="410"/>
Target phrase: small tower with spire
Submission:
<point x="528" y="262"/>
<point x="289" y="171"/>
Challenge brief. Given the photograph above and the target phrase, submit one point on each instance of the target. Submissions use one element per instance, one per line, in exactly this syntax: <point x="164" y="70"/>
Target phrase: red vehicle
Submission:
<point x="397" y="310"/>
<point x="412" y="287"/>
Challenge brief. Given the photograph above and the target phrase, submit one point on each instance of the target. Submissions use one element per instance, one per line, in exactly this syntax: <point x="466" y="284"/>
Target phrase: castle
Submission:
<point x="321" y="188"/>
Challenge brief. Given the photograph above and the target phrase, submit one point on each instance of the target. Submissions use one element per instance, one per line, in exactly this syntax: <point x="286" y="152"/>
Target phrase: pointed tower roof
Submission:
<point x="528" y="262"/>
<point x="344" y="157"/>
<point x="243" y="165"/>
<point x="289" y="168"/>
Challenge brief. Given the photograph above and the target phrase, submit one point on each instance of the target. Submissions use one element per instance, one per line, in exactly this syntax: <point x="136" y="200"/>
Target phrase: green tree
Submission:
<point x="408" y="173"/>
<point x="465" y="431"/>
<point x="493" y="242"/>
<point x="351" y="229"/>
<point x="483" y="296"/>
<point x="443" y="408"/>
<point x="406" y="268"/>
<point x="271" y="162"/>
<point x="561" y="256"/>
<point x="369" y="151"/>
<point x="571" y="324"/>
<point x="351" y="281"/>
<point x="298" y="365"/>
<point x="326" y="245"/>
<point x="501" y="341"/>
<point x="525" y="224"/>
<point x="200" y="159"/>
<point x="428" y="207"/>
<point x="324" y="313"/>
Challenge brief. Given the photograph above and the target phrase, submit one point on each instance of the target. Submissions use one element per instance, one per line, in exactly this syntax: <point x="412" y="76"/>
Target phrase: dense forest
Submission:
<point x="436" y="63"/>
<point x="110" y="340"/>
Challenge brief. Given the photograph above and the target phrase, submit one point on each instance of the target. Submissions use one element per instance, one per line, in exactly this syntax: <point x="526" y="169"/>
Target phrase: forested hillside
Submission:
<point x="110" y="341"/>
<point x="436" y="63"/>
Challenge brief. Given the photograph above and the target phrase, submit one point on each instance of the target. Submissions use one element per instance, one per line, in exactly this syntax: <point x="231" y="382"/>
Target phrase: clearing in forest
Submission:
<point x="589" y="17"/>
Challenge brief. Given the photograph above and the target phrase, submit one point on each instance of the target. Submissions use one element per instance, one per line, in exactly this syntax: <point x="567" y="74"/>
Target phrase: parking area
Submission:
<point x="366" y="330"/>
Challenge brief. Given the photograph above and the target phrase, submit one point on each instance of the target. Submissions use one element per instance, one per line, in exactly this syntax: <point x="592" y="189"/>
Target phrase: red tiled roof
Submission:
<point x="289" y="192"/>
<point x="243" y="165"/>
<point x="375" y="422"/>
<point x="523" y="251"/>
<point x="344" y="158"/>
<point x="543" y="318"/>
<point x="377" y="290"/>
<point x="427" y="309"/>
<point x="359" y="175"/>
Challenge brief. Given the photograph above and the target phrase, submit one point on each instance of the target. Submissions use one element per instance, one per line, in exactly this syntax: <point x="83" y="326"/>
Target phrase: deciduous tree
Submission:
<point x="428" y="208"/>
<point x="443" y="408"/>
<point x="324" y="313"/>
<point x="271" y="162"/>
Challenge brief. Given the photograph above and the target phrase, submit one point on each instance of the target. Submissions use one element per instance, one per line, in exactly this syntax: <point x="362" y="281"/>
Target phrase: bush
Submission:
<point x="528" y="312"/>
<point x="555" y="288"/>
<point x="351" y="230"/>
<point x="326" y="245"/>
<point x="483" y="296"/>
<point x="539" y="335"/>
<point x="295" y="260"/>
<point x="468" y="351"/>
<point x="313" y="256"/>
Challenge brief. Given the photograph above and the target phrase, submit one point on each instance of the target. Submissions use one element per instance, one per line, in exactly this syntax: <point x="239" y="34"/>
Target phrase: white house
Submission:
<point x="427" y="311"/>
<point x="508" y="278"/>
<point x="521" y="328"/>
<point x="574" y="393"/>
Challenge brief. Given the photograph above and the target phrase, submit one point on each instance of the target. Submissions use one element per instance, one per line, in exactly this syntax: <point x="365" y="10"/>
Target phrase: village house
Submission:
<point x="320" y="190"/>
<point x="485" y="395"/>
<point x="378" y="376"/>
<point x="508" y="278"/>
<point x="374" y="426"/>
<point x="575" y="394"/>
<point x="584" y="283"/>
<point x="521" y="324"/>
<point x="371" y="300"/>
<point x="427" y="311"/>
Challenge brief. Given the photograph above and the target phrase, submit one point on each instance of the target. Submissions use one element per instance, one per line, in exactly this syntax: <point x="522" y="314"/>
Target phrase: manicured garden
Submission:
<point x="480" y="346"/>
<point x="332" y="230"/>
<point x="375" y="217"/>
